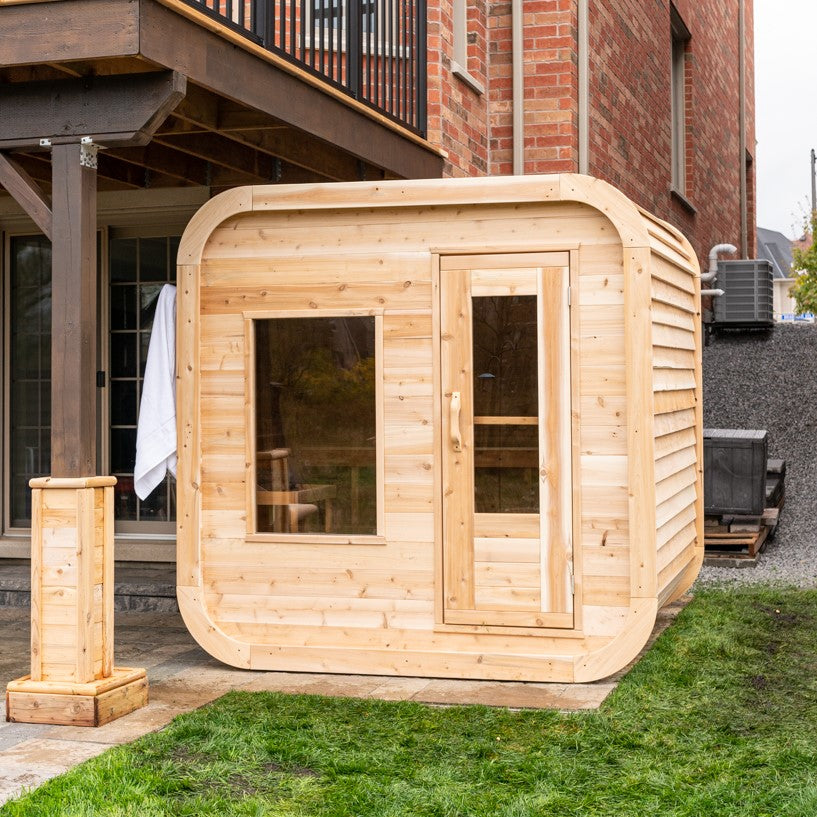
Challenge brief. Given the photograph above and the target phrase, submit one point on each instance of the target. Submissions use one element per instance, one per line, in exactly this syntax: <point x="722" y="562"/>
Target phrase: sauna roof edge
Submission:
<point x="629" y="221"/>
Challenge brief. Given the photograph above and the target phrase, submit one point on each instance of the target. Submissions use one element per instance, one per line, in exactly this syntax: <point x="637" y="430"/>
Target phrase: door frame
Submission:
<point x="561" y="622"/>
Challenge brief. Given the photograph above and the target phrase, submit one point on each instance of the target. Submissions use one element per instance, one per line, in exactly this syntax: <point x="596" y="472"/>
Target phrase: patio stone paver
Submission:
<point x="183" y="677"/>
<point x="30" y="763"/>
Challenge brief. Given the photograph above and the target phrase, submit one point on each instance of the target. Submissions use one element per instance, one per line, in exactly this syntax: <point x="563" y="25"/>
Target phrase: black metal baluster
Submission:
<point x="354" y="48"/>
<point x="304" y="31"/>
<point x="401" y="107"/>
<point x="331" y="52"/>
<point x="293" y="29"/>
<point x="321" y="49"/>
<point x="388" y="44"/>
<point x="412" y="22"/>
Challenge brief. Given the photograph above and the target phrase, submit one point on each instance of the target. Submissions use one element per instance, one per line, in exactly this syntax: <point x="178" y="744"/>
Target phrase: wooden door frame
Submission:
<point x="562" y="450"/>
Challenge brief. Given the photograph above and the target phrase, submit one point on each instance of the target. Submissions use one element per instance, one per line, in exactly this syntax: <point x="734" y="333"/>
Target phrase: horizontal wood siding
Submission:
<point x="384" y="594"/>
<point x="313" y="604"/>
<point x="677" y="409"/>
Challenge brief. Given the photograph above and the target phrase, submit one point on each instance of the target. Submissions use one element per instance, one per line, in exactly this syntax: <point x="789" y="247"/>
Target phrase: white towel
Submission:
<point x="156" y="431"/>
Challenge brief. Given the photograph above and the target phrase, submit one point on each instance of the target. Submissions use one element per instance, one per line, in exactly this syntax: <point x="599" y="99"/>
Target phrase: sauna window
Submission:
<point x="506" y="404"/>
<point x="316" y="425"/>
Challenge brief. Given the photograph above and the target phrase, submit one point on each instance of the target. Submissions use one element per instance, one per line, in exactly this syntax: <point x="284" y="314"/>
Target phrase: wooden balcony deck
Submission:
<point x="239" y="114"/>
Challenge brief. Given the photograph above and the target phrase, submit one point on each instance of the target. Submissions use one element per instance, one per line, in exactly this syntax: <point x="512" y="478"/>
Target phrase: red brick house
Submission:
<point x="656" y="98"/>
<point x="187" y="99"/>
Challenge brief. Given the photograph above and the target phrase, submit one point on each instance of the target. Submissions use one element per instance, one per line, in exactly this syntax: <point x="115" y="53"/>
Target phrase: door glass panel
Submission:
<point x="316" y="435"/>
<point x="506" y="400"/>
<point x="505" y="356"/>
<point x="506" y="473"/>
<point x="138" y="270"/>
<point x="30" y="370"/>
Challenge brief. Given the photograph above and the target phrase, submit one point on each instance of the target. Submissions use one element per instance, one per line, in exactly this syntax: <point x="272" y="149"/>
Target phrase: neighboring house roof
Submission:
<point x="775" y="247"/>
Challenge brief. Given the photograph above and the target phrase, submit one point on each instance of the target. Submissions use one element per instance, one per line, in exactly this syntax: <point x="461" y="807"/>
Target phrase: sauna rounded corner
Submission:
<point x="625" y="216"/>
<point x="623" y="648"/>
<point x="209" y="216"/>
<point x="206" y="632"/>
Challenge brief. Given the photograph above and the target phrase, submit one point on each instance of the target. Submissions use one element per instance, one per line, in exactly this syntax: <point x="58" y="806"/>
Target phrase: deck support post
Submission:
<point x="73" y="680"/>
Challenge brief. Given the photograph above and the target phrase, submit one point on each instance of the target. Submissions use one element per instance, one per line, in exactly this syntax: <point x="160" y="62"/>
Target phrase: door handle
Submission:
<point x="454" y="417"/>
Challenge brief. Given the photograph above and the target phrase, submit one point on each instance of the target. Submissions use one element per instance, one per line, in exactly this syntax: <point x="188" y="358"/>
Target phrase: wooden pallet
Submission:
<point x="735" y="544"/>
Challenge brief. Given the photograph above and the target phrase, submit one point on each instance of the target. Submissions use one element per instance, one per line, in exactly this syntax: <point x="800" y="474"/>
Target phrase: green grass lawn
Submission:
<point x="720" y="718"/>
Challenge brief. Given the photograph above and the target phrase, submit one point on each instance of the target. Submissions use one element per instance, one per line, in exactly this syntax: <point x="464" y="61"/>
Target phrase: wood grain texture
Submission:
<point x="73" y="315"/>
<point x="619" y="460"/>
<point x="641" y="429"/>
<point x="36" y="583"/>
<point x="458" y="453"/>
<point x="27" y="193"/>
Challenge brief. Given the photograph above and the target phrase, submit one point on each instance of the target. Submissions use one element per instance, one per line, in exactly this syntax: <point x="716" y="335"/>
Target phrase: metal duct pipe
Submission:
<point x="708" y="276"/>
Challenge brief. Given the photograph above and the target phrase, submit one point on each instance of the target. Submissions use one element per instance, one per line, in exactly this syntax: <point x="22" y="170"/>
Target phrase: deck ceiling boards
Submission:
<point x="243" y="120"/>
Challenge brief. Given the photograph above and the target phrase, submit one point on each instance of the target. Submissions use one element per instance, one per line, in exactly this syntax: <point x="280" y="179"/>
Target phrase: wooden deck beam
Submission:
<point x="117" y="110"/>
<point x="26" y="192"/>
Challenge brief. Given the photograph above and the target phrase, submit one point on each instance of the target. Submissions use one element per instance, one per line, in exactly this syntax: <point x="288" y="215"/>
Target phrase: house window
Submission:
<point x="138" y="269"/>
<point x="459" y="63"/>
<point x="132" y="271"/>
<point x="680" y="44"/>
<point x="317" y="426"/>
<point x="29" y="372"/>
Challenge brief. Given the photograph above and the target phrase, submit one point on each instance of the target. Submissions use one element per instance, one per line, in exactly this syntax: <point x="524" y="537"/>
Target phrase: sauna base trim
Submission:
<point x="582" y="665"/>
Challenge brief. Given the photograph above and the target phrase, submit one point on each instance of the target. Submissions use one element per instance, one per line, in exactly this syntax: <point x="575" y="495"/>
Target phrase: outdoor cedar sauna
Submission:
<point x="444" y="428"/>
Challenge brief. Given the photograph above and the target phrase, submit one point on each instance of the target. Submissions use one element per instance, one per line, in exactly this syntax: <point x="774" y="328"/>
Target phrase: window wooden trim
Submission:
<point x="252" y="532"/>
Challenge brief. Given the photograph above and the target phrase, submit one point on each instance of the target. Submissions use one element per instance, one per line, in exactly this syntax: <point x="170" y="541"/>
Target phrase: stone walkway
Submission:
<point x="183" y="677"/>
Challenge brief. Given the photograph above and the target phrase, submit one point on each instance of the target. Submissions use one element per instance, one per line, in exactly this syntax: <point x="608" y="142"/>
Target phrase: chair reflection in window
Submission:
<point x="287" y="502"/>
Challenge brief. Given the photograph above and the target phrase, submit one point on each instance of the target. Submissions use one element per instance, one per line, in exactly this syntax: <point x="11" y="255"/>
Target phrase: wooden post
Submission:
<point x="73" y="311"/>
<point x="73" y="680"/>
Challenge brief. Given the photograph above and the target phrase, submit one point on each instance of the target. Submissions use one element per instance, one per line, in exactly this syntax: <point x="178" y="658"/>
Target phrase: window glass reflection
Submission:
<point x="505" y="356"/>
<point x="315" y="425"/>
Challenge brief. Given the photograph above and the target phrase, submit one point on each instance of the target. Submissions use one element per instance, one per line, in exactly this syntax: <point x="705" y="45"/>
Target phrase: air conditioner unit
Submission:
<point x="748" y="299"/>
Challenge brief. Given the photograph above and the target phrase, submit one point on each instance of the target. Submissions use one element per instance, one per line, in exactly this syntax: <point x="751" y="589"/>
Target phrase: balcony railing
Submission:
<point x="373" y="50"/>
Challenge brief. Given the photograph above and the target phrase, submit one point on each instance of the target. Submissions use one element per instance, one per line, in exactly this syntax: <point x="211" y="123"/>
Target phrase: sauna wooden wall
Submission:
<point x="676" y="352"/>
<point x="308" y="605"/>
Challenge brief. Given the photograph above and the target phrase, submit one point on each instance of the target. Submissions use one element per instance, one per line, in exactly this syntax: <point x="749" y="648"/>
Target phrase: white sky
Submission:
<point x="786" y="97"/>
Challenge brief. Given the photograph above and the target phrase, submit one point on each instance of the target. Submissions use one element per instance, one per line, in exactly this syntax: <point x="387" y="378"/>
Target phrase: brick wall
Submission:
<point x="630" y="118"/>
<point x="630" y="102"/>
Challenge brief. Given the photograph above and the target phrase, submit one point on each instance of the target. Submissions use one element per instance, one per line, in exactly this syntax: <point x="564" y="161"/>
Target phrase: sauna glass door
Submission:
<point x="507" y="453"/>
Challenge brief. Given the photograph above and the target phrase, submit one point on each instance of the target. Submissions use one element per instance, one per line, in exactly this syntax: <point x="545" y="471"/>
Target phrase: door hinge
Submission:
<point x="569" y="296"/>
<point x="572" y="577"/>
<point x="100" y="380"/>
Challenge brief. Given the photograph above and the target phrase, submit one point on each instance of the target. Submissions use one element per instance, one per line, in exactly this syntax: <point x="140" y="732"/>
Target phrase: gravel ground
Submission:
<point x="760" y="380"/>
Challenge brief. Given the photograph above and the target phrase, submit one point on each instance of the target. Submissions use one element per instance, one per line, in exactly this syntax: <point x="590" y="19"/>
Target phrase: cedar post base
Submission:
<point x="73" y="680"/>
<point x="65" y="703"/>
